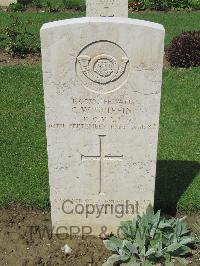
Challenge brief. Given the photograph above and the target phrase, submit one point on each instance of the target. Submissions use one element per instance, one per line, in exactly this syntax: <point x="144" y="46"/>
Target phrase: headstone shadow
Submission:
<point x="172" y="180"/>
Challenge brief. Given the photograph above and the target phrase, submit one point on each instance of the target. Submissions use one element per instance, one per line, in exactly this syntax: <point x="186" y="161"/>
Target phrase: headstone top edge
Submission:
<point x="116" y="20"/>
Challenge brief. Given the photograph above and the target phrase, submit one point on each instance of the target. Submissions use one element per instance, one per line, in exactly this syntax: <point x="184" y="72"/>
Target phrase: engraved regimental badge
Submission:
<point x="102" y="67"/>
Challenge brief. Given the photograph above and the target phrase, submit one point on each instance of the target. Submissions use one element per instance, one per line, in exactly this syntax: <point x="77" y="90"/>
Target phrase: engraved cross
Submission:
<point x="101" y="158"/>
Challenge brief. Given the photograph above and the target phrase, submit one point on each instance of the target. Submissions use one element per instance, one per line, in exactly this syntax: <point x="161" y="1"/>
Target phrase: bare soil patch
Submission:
<point x="7" y="60"/>
<point x="22" y="243"/>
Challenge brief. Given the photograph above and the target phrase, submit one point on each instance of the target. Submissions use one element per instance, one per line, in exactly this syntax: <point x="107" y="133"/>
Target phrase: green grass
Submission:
<point x="174" y="22"/>
<point x="178" y="171"/>
<point x="24" y="174"/>
<point x="23" y="159"/>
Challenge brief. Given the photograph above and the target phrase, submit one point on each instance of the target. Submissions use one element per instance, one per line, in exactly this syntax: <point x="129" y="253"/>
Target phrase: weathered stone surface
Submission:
<point x="7" y="2"/>
<point x="107" y="8"/>
<point x="102" y="88"/>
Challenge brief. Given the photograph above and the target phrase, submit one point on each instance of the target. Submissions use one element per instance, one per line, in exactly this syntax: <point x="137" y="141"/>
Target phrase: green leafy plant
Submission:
<point x="150" y="239"/>
<point x="24" y="2"/>
<point x="20" y="6"/>
<point x="138" y="5"/>
<point x="179" y="4"/>
<point x="17" y="38"/>
<point x="159" y="4"/>
<point x="37" y="3"/>
<point x="195" y="4"/>
<point x="52" y="7"/>
<point x="74" y="4"/>
<point x="16" y="7"/>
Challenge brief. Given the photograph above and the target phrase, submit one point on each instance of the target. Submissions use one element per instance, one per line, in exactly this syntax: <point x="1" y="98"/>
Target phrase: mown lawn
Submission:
<point x="23" y="157"/>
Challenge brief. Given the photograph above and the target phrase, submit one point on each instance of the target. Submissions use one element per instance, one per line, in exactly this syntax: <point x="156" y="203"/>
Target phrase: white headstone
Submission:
<point x="102" y="88"/>
<point x="7" y="2"/>
<point x="107" y="8"/>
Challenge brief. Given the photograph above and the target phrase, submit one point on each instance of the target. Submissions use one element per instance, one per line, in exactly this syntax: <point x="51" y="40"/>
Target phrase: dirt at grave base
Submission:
<point x="20" y="245"/>
<point x="7" y="60"/>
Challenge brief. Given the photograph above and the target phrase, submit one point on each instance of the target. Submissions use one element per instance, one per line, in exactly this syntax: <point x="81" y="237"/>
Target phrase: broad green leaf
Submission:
<point x="163" y="225"/>
<point x="143" y="225"/>
<point x="187" y="240"/>
<point x="174" y="247"/>
<point x="185" y="229"/>
<point x="153" y="230"/>
<point x="153" y="243"/>
<point x="178" y="228"/>
<point x="130" y="247"/>
<point x="113" y="244"/>
<point x="111" y="260"/>
<point x="178" y="249"/>
<point x="134" y="223"/>
<point x="124" y="255"/>
<point x="167" y="257"/>
<point x="128" y="229"/>
<point x="140" y="240"/>
<point x="150" y="252"/>
<point x="156" y="219"/>
<point x="143" y="251"/>
<point x="158" y="241"/>
<point x="150" y="211"/>
<point x="184" y="250"/>
<point x="159" y="254"/>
